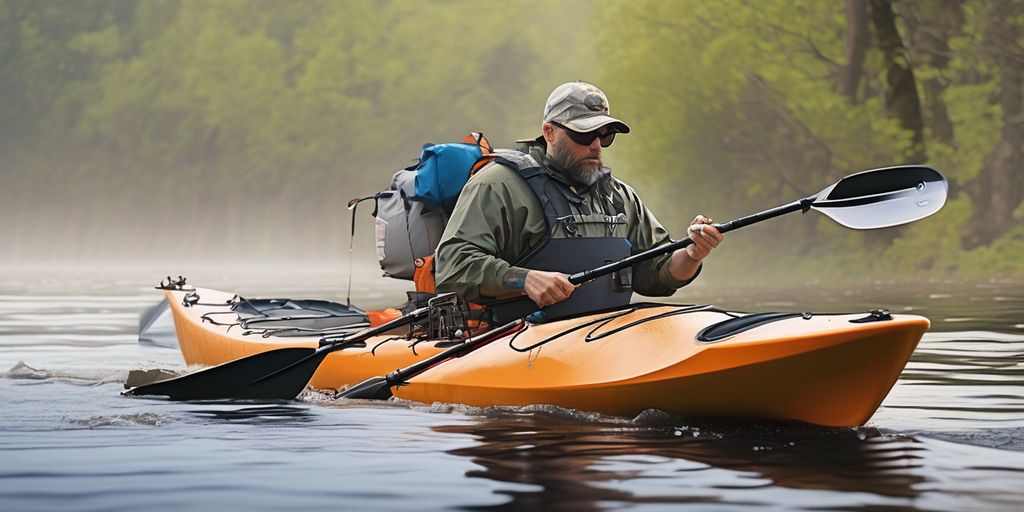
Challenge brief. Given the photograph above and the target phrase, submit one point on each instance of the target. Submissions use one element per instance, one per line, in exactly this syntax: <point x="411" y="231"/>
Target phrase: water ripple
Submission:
<point x="950" y="436"/>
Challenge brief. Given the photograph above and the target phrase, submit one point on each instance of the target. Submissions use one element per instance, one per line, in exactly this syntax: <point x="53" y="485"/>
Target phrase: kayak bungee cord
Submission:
<point x="373" y="351"/>
<point x="605" y="320"/>
<point x="329" y="333"/>
<point x="258" y="308"/>
<point x="684" y="310"/>
<point x="192" y="299"/>
<point x="208" y="317"/>
<point x="285" y="332"/>
<point x="247" y="323"/>
<point x="412" y="346"/>
<point x="511" y="342"/>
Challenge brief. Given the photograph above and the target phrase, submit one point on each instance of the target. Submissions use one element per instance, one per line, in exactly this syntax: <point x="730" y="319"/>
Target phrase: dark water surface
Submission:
<point x="950" y="436"/>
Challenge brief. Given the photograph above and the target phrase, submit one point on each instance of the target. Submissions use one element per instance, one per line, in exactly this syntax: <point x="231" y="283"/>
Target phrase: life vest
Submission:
<point x="566" y="248"/>
<point x="412" y="213"/>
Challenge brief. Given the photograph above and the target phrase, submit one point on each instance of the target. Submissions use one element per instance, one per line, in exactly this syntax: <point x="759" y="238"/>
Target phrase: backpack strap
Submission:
<point x="554" y="196"/>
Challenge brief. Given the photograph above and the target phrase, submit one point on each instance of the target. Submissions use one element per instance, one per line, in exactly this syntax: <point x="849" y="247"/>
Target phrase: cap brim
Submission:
<point x="589" y="124"/>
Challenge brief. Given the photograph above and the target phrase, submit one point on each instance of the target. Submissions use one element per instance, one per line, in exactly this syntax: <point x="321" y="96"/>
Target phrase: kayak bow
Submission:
<point x="696" y="361"/>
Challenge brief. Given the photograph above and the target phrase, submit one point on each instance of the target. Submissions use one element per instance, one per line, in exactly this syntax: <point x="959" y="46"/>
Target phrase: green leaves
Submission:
<point x="276" y="112"/>
<point x="741" y="106"/>
<point x="242" y="113"/>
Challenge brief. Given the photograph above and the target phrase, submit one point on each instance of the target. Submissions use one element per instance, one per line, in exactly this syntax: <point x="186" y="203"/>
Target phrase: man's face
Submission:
<point x="581" y="162"/>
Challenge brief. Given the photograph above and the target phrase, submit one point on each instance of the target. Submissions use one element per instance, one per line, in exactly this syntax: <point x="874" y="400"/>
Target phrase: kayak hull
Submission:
<point x="824" y="370"/>
<point x="205" y="343"/>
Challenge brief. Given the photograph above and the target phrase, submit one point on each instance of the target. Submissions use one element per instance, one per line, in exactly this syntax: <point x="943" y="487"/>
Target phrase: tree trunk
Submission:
<point x="930" y="26"/>
<point x="1003" y="179"/>
<point x="901" y="97"/>
<point x="856" y="47"/>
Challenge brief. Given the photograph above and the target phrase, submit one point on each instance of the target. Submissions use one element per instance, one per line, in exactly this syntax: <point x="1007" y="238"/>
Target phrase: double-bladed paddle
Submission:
<point x="878" y="198"/>
<point x="871" y="199"/>
<point x="867" y="200"/>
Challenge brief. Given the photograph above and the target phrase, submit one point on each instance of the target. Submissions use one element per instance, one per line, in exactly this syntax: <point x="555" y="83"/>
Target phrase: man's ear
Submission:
<point x="548" y="130"/>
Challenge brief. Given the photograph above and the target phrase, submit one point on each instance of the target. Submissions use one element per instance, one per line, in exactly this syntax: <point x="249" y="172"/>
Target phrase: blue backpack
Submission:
<point x="411" y="214"/>
<point x="444" y="169"/>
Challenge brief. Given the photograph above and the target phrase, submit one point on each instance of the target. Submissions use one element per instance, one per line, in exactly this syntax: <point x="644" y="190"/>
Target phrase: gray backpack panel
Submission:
<point x="404" y="229"/>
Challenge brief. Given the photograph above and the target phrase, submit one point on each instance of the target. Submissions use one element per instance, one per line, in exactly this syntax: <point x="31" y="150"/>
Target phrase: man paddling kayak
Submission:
<point x="527" y="218"/>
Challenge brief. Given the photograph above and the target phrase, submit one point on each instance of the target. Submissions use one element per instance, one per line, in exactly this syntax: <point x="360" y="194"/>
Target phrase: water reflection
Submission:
<point x="589" y="465"/>
<point x="257" y="414"/>
<point x="950" y="435"/>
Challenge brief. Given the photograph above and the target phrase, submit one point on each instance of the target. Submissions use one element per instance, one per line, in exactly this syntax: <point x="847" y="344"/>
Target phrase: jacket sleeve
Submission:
<point x="477" y="244"/>
<point x="652" y="277"/>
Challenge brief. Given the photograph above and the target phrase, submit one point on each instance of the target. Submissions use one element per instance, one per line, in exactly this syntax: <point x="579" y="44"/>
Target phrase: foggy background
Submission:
<point x="169" y="136"/>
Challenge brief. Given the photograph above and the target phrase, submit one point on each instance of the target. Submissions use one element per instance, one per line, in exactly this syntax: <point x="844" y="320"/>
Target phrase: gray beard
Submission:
<point x="576" y="171"/>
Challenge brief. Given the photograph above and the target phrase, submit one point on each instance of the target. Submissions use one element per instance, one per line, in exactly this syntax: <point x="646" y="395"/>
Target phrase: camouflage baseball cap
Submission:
<point x="581" y="107"/>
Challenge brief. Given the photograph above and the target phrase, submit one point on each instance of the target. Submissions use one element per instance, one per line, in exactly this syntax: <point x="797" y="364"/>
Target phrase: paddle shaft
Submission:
<point x="399" y="376"/>
<point x="413" y="370"/>
<point x="864" y="188"/>
<point x="330" y="344"/>
<point x="297" y="365"/>
<point x="589" y="275"/>
<point x="379" y="388"/>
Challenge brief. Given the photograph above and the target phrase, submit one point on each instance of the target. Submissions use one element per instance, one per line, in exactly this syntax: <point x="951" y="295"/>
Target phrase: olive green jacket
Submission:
<point x="498" y="220"/>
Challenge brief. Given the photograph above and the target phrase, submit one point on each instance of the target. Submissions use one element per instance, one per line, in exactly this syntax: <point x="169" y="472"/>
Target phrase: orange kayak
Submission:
<point x="697" y="361"/>
<point x="208" y="335"/>
<point x="823" y="370"/>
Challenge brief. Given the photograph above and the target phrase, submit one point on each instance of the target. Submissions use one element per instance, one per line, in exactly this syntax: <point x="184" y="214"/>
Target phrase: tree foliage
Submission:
<point x="745" y="103"/>
<point x="249" y="123"/>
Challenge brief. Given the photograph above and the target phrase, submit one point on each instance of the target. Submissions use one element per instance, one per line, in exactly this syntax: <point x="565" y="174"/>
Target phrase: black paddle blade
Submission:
<point x="275" y="374"/>
<point x="376" y="388"/>
<point x="886" y="197"/>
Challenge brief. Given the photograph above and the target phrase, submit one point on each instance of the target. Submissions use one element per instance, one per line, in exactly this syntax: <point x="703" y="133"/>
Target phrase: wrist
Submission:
<point x="690" y="258"/>
<point x="514" y="279"/>
<point x="683" y="265"/>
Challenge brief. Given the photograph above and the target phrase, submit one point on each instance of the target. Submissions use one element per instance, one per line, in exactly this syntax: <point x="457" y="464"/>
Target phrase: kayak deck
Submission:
<point x="823" y="370"/>
<point x="820" y="369"/>
<point x="205" y="343"/>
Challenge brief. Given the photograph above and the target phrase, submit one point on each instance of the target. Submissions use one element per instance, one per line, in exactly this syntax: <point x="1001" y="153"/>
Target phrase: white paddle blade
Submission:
<point x="881" y="198"/>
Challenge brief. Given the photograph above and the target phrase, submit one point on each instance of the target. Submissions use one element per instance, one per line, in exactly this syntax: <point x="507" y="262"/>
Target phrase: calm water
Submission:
<point x="950" y="436"/>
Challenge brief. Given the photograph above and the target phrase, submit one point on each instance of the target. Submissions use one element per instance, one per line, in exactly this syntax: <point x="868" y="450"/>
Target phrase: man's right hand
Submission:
<point x="547" y="288"/>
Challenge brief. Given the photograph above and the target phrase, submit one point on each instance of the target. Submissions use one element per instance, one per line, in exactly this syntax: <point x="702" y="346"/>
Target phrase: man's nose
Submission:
<point x="595" y="145"/>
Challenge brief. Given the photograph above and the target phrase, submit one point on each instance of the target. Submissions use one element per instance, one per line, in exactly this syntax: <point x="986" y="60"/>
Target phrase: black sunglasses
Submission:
<point x="586" y="138"/>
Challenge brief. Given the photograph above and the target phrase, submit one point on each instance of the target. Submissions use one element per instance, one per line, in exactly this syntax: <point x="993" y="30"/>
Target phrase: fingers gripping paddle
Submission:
<point x="274" y="374"/>
<point x="871" y="199"/>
